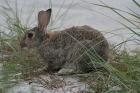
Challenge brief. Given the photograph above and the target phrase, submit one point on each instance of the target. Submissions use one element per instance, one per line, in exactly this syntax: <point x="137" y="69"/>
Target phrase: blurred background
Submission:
<point x="78" y="13"/>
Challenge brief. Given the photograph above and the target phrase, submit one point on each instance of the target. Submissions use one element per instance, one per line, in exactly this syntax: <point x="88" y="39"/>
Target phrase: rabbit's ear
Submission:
<point x="44" y="18"/>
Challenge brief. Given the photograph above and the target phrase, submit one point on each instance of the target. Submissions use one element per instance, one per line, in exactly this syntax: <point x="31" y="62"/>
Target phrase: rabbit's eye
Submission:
<point x="30" y="35"/>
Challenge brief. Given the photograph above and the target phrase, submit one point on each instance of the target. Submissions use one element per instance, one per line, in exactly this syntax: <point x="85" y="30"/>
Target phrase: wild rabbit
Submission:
<point x="78" y="48"/>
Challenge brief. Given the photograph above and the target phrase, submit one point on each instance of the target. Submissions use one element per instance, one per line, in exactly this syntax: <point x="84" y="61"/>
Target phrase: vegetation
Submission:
<point x="121" y="74"/>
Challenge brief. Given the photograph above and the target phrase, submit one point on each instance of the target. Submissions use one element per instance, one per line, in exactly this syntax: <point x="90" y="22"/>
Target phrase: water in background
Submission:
<point x="79" y="15"/>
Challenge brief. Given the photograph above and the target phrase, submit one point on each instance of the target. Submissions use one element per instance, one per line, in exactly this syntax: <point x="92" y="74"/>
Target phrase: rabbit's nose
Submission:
<point x="22" y="44"/>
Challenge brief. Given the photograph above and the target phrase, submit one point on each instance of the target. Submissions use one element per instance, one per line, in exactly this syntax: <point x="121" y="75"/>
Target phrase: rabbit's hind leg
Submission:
<point x="66" y="71"/>
<point x="78" y="59"/>
<point x="43" y="68"/>
<point x="80" y="56"/>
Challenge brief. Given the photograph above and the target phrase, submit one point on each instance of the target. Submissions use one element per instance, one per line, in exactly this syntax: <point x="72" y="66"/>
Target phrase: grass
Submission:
<point x="122" y="72"/>
<point x="127" y="66"/>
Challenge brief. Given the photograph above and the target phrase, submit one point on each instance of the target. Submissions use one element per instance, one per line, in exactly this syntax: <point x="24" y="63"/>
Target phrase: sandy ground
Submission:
<point x="58" y="85"/>
<point x="48" y="84"/>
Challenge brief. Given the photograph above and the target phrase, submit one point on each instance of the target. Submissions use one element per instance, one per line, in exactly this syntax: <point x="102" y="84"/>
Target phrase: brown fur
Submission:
<point x="75" y="48"/>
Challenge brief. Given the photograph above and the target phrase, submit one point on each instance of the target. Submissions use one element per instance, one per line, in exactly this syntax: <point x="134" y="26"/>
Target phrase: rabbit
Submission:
<point x="75" y="49"/>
